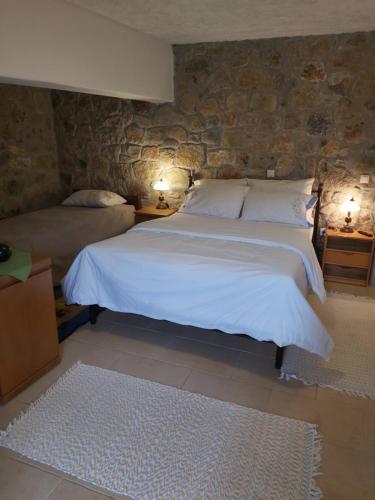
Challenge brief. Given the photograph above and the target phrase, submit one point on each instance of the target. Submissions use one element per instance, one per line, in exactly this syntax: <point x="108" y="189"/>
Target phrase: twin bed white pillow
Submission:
<point x="94" y="198"/>
<point x="288" y="202"/>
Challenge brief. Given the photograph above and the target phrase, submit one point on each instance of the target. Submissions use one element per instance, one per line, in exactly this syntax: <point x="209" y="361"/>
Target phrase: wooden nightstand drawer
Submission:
<point x="343" y="273"/>
<point x="349" y="244"/>
<point x="347" y="258"/>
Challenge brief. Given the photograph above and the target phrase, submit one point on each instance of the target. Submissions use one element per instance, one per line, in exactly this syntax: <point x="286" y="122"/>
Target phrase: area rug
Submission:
<point x="145" y="440"/>
<point x="350" y="321"/>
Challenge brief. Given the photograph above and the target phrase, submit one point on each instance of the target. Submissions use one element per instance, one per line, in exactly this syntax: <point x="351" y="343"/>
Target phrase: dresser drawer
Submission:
<point x="349" y="244"/>
<point x="347" y="258"/>
<point x="345" y="273"/>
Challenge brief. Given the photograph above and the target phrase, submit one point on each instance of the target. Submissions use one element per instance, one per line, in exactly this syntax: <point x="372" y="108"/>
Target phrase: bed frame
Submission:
<point x="94" y="310"/>
<point x="318" y="193"/>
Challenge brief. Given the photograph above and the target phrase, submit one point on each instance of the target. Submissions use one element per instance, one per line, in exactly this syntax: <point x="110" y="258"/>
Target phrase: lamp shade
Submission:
<point x="161" y="185"/>
<point x="350" y="206"/>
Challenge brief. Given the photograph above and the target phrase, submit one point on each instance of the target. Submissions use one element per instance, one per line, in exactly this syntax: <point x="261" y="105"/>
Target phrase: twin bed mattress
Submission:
<point x="210" y="272"/>
<point x="61" y="232"/>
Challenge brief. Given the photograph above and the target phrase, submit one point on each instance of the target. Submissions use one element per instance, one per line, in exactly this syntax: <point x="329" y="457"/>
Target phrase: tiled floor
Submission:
<point x="218" y="365"/>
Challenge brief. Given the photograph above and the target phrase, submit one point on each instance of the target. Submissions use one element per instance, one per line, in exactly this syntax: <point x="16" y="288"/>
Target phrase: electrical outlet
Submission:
<point x="364" y="178"/>
<point x="270" y="173"/>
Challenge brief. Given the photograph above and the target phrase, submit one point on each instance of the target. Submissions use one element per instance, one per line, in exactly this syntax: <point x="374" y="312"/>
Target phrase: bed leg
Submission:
<point x="279" y="357"/>
<point x="93" y="313"/>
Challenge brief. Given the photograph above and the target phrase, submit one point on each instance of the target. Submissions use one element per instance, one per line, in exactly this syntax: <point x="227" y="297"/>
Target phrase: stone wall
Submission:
<point x="303" y="106"/>
<point x="29" y="173"/>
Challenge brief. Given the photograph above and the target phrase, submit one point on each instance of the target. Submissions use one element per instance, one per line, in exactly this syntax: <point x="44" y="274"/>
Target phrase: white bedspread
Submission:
<point x="232" y="275"/>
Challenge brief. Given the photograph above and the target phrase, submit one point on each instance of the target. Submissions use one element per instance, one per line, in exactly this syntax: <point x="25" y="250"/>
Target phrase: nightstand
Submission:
<point x="151" y="212"/>
<point x="347" y="257"/>
<point x="28" y="333"/>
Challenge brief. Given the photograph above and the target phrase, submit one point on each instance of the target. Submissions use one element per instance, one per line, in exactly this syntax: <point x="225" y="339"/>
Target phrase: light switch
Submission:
<point x="270" y="173"/>
<point x="364" y="179"/>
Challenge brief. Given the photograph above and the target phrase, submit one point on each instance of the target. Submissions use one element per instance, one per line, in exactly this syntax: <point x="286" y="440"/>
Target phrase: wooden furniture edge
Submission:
<point x="26" y="383"/>
<point x="331" y="233"/>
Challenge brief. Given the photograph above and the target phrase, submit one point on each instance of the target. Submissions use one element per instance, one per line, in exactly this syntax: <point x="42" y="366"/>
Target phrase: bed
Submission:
<point x="237" y="276"/>
<point x="62" y="231"/>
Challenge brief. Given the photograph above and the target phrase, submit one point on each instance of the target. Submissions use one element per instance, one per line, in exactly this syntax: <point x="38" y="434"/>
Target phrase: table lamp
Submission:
<point x="161" y="186"/>
<point x="349" y="207"/>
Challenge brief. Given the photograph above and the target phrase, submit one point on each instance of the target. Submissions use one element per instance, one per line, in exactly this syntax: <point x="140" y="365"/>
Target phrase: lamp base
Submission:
<point x="162" y="205"/>
<point x="347" y="229"/>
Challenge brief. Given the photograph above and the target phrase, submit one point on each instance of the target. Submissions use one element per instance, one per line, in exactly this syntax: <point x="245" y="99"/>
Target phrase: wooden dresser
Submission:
<point x="28" y="332"/>
<point x="347" y="257"/>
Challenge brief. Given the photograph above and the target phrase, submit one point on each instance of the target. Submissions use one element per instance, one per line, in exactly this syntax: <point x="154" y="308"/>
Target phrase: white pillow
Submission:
<point x="299" y="186"/>
<point x="206" y="182"/>
<point x="221" y="200"/>
<point x="281" y="207"/>
<point x="95" y="198"/>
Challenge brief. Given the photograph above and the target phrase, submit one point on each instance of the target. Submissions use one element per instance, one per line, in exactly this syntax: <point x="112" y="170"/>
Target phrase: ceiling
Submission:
<point x="191" y="21"/>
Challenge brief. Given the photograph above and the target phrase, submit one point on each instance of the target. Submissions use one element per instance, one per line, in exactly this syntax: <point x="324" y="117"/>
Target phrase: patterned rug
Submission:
<point x="351" y="322"/>
<point x="146" y="440"/>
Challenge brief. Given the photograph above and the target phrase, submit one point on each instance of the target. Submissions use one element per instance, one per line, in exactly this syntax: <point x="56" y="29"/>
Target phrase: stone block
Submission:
<point x="314" y="71"/>
<point x="236" y="103"/>
<point x="134" y="134"/>
<point x="234" y="138"/>
<point x="317" y="124"/>
<point x="191" y="156"/>
<point x="156" y="135"/>
<point x="263" y="103"/>
<point x="212" y="136"/>
<point x="150" y="153"/>
<point x="208" y="106"/>
<point x="282" y="144"/>
<point x="178" y="133"/>
<point x="221" y="157"/>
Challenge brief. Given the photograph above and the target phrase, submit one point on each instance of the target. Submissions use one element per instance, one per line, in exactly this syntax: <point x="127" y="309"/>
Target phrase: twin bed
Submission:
<point x="235" y="275"/>
<point x="61" y="232"/>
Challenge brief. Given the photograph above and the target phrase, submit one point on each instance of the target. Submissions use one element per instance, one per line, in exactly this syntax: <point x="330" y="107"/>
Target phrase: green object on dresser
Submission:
<point x="19" y="265"/>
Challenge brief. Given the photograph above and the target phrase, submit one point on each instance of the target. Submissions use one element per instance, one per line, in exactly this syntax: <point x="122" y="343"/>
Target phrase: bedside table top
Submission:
<point x="355" y="234"/>
<point x="153" y="211"/>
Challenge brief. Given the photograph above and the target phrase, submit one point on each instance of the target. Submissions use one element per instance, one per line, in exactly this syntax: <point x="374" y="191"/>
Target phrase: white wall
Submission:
<point x="50" y="43"/>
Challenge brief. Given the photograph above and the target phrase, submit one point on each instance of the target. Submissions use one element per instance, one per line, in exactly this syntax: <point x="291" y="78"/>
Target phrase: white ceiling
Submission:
<point x="191" y="21"/>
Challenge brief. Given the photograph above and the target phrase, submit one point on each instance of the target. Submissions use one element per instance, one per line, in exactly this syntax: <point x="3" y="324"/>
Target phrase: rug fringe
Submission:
<point x="343" y="295"/>
<point x="349" y="392"/>
<point x="315" y="492"/>
<point x="47" y="392"/>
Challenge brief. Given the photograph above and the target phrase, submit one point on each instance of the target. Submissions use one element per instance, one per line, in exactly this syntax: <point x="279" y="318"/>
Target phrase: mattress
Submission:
<point x="61" y="232"/>
<point x="215" y="273"/>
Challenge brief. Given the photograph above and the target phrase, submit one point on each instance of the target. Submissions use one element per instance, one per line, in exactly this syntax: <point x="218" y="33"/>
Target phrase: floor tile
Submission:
<point x="67" y="490"/>
<point x="227" y="390"/>
<point x="222" y="366"/>
<point x="293" y="406"/>
<point x="260" y="370"/>
<point x="152" y="369"/>
<point x="10" y="410"/>
<point x="200" y="356"/>
<point x="97" y="355"/>
<point x="346" y="474"/>
<point x="204" y="383"/>
<point x="19" y="481"/>
<point x="342" y="424"/>
<point x="128" y="339"/>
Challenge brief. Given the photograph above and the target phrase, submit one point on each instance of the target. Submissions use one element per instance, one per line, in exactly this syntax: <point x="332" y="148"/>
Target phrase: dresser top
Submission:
<point x="355" y="234"/>
<point x="39" y="263"/>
